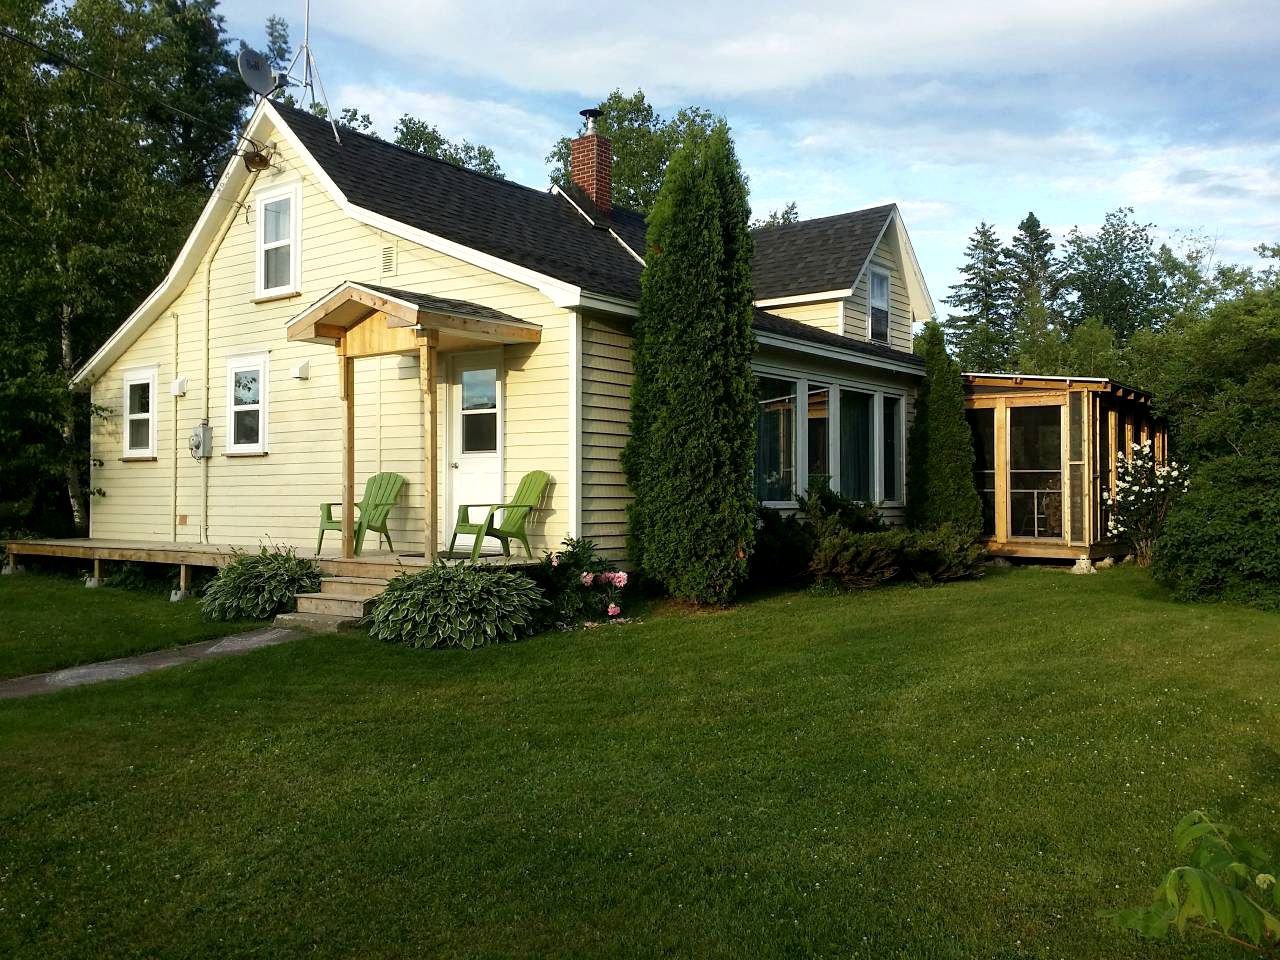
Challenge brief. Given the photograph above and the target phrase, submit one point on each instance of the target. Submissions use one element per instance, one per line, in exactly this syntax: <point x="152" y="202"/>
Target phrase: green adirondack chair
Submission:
<point x="379" y="497"/>
<point x="515" y="516"/>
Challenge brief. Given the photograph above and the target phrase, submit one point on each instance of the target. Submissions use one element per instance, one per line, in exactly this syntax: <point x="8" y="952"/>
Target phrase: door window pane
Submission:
<point x="479" y="389"/>
<point x="479" y="433"/>
<point x="982" y="423"/>
<point x="855" y="445"/>
<point x="775" y="438"/>
<point x="819" y="435"/>
<point x="1035" y="471"/>
<point x="892" y="450"/>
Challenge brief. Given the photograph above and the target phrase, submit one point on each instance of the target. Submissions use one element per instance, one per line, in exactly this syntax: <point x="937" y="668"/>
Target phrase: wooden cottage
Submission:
<point x="1046" y="451"/>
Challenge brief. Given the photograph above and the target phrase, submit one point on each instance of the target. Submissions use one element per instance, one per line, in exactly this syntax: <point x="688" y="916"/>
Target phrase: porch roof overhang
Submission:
<point x="350" y="304"/>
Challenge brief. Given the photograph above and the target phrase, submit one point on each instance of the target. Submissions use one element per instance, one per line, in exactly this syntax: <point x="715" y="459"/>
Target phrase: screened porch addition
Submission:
<point x="1045" y="454"/>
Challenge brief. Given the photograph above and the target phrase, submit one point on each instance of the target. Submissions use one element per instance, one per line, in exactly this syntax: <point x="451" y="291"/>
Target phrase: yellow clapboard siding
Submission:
<point x="824" y="315"/>
<point x="278" y="496"/>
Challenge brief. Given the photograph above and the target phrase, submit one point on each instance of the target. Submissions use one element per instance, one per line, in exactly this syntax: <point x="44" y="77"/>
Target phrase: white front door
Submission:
<point x="475" y="435"/>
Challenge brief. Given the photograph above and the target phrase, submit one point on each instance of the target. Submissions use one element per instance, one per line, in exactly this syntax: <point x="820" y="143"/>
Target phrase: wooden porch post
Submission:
<point x="1001" y="440"/>
<point x="430" y="499"/>
<point x="347" y="385"/>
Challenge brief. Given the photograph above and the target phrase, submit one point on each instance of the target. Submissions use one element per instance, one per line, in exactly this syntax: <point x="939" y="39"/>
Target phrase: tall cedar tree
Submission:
<point x="691" y="452"/>
<point x="981" y="331"/>
<point x="940" y="485"/>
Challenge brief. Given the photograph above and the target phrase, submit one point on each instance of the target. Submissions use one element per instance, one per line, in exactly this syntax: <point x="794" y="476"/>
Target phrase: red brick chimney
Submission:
<point x="591" y="164"/>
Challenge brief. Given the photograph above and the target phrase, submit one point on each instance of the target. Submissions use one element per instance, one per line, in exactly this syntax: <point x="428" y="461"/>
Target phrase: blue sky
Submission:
<point x="959" y="112"/>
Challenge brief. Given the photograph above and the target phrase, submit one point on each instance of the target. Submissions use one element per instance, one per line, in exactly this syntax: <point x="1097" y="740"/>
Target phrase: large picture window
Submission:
<point x="278" y="236"/>
<point x="247" y="388"/>
<point x="775" y="439"/>
<point x="139" y="426"/>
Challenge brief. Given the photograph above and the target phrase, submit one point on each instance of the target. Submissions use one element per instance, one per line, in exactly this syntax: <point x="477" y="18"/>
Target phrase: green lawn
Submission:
<point x="967" y="771"/>
<point x="48" y="622"/>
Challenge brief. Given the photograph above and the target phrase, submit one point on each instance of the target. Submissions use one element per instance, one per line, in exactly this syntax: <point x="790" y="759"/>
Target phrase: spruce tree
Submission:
<point x="691" y="452"/>
<point x="1034" y="271"/>
<point x="981" y="330"/>
<point x="940" y="446"/>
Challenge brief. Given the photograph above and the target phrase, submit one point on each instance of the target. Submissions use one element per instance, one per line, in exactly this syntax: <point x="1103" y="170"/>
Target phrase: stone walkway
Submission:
<point x="55" y="680"/>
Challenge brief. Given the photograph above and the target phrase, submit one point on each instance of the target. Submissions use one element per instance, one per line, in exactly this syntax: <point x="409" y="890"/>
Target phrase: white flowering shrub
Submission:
<point x="1145" y="493"/>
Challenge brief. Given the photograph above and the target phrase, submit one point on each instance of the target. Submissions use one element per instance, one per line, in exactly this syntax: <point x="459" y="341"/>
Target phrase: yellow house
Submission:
<point x="345" y="307"/>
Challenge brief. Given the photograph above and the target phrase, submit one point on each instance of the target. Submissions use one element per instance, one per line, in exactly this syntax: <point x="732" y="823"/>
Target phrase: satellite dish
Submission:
<point x="256" y="72"/>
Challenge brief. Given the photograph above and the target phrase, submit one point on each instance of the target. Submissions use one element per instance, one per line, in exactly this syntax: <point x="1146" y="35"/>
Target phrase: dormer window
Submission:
<point x="278" y="242"/>
<point x="879" y="320"/>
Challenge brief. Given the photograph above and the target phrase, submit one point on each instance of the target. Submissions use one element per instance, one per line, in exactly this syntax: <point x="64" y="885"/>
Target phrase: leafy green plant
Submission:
<point x="578" y="585"/>
<point x="1222" y="538"/>
<point x="784" y="549"/>
<point x="825" y="509"/>
<point x="1223" y="885"/>
<point x="255" y="586"/>
<point x="466" y="605"/>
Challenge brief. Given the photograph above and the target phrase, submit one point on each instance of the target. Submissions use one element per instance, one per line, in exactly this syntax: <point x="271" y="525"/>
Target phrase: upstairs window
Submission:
<point x="879" y="306"/>
<point x="140" y="413"/>
<point x="247" y="405"/>
<point x="279" y="273"/>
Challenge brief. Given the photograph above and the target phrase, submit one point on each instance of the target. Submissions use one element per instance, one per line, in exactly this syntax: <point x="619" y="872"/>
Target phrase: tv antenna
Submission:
<point x="255" y="70"/>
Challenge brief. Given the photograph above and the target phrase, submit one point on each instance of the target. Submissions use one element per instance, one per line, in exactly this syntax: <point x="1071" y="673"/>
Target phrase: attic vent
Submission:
<point x="389" y="260"/>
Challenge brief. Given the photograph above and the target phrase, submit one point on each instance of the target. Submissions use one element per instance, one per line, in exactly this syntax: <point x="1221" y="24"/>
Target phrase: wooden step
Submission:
<point x="316" y="622"/>
<point x="333" y="604"/>
<point x="367" y="587"/>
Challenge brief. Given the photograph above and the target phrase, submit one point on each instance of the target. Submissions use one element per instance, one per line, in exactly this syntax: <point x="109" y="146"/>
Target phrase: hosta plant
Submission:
<point x="255" y="586"/>
<point x="1145" y="493"/>
<point x="466" y="605"/>
<point x="1223" y="885"/>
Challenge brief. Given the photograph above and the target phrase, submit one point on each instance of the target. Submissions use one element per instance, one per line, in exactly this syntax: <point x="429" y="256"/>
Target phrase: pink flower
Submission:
<point x="555" y="560"/>
<point x="620" y="579"/>
<point x="614" y="610"/>
<point x="587" y="579"/>
<point x="607" y="576"/>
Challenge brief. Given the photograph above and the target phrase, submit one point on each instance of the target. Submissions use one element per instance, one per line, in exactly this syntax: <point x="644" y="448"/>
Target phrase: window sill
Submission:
<point x="268" y="297"/>
<point x="138" y="459"/>
<point x="237" y="454"/>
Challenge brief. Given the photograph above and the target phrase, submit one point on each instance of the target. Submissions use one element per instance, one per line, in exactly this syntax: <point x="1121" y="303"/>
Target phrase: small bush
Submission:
<point x="825" y="509"/>
<point x="578" y="586"/>
<point x="783" y="550"/>
<point x="856" y="561"/>
<point x="1222" y="538"/>
<point x="947" y="553"/>
<point x="467" y="605"/>
<point x="255" y="586"/>
<point x="1145" y="494"/>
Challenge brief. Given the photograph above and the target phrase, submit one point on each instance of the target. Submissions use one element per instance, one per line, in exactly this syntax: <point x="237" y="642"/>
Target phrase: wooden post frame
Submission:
<point x="347" y="385"/>
<point x="427" y="360"/>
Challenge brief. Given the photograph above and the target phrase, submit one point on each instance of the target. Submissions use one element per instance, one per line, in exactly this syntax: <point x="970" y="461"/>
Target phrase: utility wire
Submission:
<point x="64" y="60"/>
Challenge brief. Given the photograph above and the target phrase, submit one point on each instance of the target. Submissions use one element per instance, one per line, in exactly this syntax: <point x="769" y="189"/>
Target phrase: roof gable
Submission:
<point x="815" y="256"/>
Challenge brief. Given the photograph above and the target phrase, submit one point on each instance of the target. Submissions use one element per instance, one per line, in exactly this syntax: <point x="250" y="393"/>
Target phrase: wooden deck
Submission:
<point x="372" y="563"/>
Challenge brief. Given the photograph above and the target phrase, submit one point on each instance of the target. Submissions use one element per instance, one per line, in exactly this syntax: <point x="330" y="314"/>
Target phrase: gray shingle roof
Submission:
<point x="813" y="256"/>
<point x="766" y="322"/>
<point x="535" y="229"/>
<point x="452" y="308"/>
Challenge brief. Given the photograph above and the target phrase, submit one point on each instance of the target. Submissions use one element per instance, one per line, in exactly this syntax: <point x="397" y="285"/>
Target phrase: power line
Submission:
<point x="64" y="60"/>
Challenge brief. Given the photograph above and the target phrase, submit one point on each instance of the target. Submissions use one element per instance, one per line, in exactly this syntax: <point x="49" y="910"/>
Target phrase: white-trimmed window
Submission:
<point x="247" y="395"/>
<point x="878" y="320"/>
<point x="279" y="241"/>
<point x="139" y="407"/>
